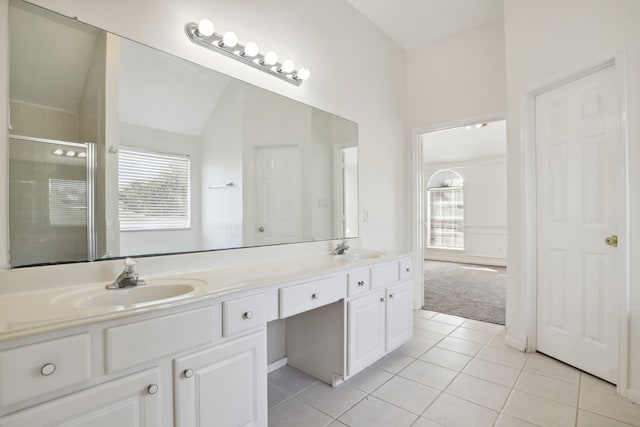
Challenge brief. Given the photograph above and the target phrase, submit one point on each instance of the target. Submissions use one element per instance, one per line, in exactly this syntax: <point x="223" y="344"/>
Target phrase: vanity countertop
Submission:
<point x="31" y="312"/>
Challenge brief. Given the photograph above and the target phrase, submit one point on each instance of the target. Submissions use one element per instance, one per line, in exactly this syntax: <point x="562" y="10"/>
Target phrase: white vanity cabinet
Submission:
<point x="381" y="320"/>
<point x="225" y="385"/>
<point x="134" y="400"/>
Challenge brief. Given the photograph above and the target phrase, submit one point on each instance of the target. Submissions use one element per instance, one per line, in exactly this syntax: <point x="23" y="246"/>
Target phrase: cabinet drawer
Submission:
<point x="384" y="274"/>
<point x="131" y="344"/>
<point x="358" y="282"/>
<point x="306" y="296"/>
<point x="405" y="269"/>
<point x="243" y="314"/>
<point x="37" y="369"/>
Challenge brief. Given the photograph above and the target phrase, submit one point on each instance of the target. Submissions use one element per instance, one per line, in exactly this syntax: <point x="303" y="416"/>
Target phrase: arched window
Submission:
<point x="445" y="211"/>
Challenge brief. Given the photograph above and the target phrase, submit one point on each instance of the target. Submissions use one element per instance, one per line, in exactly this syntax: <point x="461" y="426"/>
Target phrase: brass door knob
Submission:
<point x="261" y="229"/>
<point x="611" y="240"/>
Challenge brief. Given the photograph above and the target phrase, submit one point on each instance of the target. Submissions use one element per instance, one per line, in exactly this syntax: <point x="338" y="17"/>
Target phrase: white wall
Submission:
<point x="485" y="211"/>
<point x="548" y="37"/>
<point x="357" y="72"/>
<point x="457" y="78"/>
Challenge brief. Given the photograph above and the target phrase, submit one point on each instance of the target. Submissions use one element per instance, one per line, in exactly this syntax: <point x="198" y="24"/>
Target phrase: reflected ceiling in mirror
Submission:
<point x="117" y="149"/>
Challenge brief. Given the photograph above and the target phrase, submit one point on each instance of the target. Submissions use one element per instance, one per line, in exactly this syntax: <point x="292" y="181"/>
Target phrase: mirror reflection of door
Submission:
<point x="278" y="194"/>
<point x="347" y="214"/>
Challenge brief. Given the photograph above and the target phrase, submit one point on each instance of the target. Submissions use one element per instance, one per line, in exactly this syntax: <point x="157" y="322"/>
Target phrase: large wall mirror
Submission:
<point x="117" y="149"/>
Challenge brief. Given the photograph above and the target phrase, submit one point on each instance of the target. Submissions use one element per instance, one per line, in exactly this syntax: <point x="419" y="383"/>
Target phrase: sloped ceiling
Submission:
<point x="49" y="56"/>
<point x="463" y="144"/>
<point x="416" y="23"/>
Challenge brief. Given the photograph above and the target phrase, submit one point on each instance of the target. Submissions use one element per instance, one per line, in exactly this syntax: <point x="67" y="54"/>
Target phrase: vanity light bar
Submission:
<point x="203" y="34"/>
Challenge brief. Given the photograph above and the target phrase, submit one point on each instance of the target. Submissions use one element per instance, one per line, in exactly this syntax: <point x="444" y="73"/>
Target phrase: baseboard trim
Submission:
<point x="519" y="345"/>
<point x="277" y="365"/>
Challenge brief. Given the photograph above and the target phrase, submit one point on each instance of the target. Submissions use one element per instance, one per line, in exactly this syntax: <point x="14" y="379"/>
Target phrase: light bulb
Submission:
<point x="250" y="50"/>
<point x="58" y="151"/>
<point x="270" y="58"/>
<point x="478" y="126"/>
<point x="205" y="27"/>
<point x="70" y="153"/>
<point x="287" y="66"/>
<point x="82" y="154"/>
<point x="302" y="74"/>
<point x="229" y="39"/>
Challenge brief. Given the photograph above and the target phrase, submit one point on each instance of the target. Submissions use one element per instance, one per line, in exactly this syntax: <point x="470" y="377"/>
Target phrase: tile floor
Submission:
<point x="453" y="372"/>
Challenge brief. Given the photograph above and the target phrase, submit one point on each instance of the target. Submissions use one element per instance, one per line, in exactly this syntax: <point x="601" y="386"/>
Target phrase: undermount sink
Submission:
<point x="358" y="256"/>
<point x="152" y="293"/>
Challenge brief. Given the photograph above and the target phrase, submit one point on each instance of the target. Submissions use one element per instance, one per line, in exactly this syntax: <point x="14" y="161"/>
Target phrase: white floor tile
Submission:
<point x="428" y="374"/>
<point x="369" y="379"/>
<point x="449" y="319"/>
<point x="540" y="411"/>
<point x="476" y="390"/>
<point x="610" y="405"/>
<point x="460" y="346"/>
<point x="505" y="420"/>
<point x="290" y="380"/>
<point x="423" y="422"/>
<point x="433" y="326"/>
<point x="331" y="400"/>
<point x="275" y="395"/>
<point x="415" y="348"/>
<point x="549" y="388"/>
<point x="394" y="362"/>
<point x="472" y="335"/>
<point x="373" y="412"/>
<point x="587" y="419"/>
<point x="548" y="367"/>
<point x="497" y="341"/>
<point x="446" y="358"/>
<point x="337" y="423"/>
<point x="494" y="372"/>
<point x="587" y="380"/>
<point x="424" y="314"/>
<point x="294" y="413"/>
<point x="504" y="356"/>
<point x="427" y="336"/>
<point x="491" y="328"/>
<point x="407" y="394"/>
<point x="451" y="411"/>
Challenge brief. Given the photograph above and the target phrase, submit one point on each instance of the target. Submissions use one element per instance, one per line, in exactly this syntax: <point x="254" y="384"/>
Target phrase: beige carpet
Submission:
<point x="466" y="290"/>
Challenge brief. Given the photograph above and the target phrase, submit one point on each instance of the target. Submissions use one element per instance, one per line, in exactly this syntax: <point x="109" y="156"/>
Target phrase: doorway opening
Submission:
<point x="464" y="194"/>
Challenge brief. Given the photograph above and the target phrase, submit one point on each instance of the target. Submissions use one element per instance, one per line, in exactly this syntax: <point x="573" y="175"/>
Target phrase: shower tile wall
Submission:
<point x="33" y="237"/>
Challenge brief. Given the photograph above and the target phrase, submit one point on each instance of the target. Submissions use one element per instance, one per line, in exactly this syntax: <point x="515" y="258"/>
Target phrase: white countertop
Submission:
<point x="31" y="312"/>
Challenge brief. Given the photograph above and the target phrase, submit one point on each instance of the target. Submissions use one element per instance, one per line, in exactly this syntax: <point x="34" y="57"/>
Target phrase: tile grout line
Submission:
<point x="578" y="401"/>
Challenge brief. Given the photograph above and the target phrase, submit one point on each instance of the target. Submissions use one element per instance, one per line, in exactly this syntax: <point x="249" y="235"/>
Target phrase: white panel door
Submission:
<point x="278" y="195"/>
<point x="579" y="201"/>
<point x="399" y="314"/>
<point x="365" y="331"/>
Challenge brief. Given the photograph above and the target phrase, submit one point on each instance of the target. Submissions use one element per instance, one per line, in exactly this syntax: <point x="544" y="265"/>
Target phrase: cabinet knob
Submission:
<point x="361" y="283"/>
<point x="152" y="389"/>
<point x="315" y="295"/>
<point x="48" y="369"/>
<point x="382" y="299"/>
<point x="391" y="296"/>
<point x="408" y="269"/>
<point x="248" y="315"/>
<point x="188" y="373"/>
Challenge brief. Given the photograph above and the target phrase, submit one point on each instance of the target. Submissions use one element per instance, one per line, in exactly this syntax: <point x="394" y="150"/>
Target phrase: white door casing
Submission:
<point x="278" y="195"/>
<point x="579" y="195"/>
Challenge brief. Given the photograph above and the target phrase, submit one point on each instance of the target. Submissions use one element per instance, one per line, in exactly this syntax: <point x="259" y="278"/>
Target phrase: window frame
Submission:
<point x="430" y="192"/>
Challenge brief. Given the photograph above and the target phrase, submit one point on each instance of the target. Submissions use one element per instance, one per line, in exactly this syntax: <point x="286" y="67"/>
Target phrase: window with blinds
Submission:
<point x="446" y="218"/>
<point x="153" y="190"/>
<point x="67" y="202"/>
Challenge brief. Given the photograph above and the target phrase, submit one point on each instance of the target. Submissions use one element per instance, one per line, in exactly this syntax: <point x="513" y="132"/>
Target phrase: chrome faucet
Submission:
<point x="340" y="249"/>
<point x="128" y="278"/>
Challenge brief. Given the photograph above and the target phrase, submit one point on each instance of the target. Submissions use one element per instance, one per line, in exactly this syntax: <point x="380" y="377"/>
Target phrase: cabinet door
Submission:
<point x="399" y="314"/>
<point x="222" y="386"/>
<point x="365" y="331"/>
<point x="133" y="401"/>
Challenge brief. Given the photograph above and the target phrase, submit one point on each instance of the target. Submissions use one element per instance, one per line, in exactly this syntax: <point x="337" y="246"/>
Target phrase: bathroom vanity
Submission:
<point x="190" y="349"/>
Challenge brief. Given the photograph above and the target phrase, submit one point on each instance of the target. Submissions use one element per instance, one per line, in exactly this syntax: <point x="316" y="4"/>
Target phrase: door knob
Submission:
<point x="261" y="229"/>
<point x="611" y="240"/>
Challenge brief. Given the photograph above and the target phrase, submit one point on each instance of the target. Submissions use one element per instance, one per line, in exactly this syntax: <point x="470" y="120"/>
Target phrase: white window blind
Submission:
<point x="67" y="202"/>
<point x="153" y="190"/>
<point x="446" y="218"/>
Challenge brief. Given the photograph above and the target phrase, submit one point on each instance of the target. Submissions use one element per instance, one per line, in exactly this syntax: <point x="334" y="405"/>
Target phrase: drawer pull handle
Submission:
<point x="48" y="369"/>
<point x="152" y="389"/>
<point x="361" y="283"/>
<point x="315" y="295"/>
<point x="248" y="315"/>
<point x="188" y="373"/>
